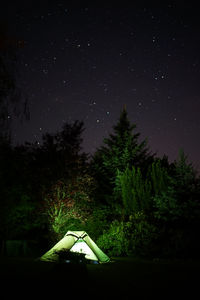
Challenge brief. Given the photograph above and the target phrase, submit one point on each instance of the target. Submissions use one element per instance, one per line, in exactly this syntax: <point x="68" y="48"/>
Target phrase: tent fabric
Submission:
<point x="81" y="247"/>
<point x="77" y="241"/>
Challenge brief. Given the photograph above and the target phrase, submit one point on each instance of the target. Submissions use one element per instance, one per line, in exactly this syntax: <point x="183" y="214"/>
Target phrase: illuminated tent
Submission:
<point x="77" y="241"/>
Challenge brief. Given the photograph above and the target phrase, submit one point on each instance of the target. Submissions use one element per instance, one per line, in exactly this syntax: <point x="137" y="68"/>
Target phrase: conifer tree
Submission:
<point x="135" y="190"/>
<point x="121" y="150"/>
<point x="159" y="177"/>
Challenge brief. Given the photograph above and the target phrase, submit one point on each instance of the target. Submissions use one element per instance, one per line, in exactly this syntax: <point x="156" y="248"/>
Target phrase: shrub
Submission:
<point x="137" y="236"/>
<point x="22" y="219"/>
<point x="142" y="235"/>
<point x="166" y="206"/>
<point x="113" y="241"/>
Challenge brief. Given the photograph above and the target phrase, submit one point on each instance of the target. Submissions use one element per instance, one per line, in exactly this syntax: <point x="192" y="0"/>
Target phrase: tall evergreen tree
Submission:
<point x="121" y="150"/>
<point x="135" y="191"/>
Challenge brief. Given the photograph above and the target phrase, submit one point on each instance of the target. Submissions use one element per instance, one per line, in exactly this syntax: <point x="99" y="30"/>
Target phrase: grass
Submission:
<point x="128" y="277"/>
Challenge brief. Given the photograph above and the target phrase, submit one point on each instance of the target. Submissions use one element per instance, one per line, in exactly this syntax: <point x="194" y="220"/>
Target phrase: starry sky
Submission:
<point x="86" y="63"/>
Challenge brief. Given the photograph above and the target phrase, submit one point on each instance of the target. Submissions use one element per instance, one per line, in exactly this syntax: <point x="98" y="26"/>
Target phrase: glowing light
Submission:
<point x="82" y="247"/>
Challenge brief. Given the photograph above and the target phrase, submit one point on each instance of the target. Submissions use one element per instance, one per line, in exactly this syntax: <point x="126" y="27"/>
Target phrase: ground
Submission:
<point x="126" y="277"/>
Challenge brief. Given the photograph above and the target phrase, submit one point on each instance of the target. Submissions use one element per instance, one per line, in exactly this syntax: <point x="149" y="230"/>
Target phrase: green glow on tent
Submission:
<point x="76" y="241"/>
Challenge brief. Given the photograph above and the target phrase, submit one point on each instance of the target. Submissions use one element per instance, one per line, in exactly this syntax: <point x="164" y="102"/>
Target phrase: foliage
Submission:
<point x="176" y="197"/>
<point x="120" y="150"/>
<point x="129" y="201"/>
<point x="185" y="173"/>
<point x="135" y="236"/>
<point x="164" y="196"/>
<point x="177" y="209"/>
<point x="135" y="191"/>
<point x="114" y="241"/>
<point x="142" y="234"/>
<point x="98" y="220"/>
<point x="157" y="202"/>
<point x="67" y="206"/>
<point x="166" y="205"/>
<point x="155" y="191"/>
<point x="22" y="219"/>
<point x="186" y="183"/>
<point x="60" y="157"/>
<point x="31" y="170"/>
<point x="159" y="177"/>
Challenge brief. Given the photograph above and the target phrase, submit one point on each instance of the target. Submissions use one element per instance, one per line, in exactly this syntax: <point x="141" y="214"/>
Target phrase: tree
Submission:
<point x="67" y="206"/>
<point x="120" y="150"/>
<point x="185" y="174"/>
<point x="135" y="191"/>
<point x="177" y="209"/>
<point x="163" y="193"/>
<point x="187" y="187"/>
<point x="159" y="177"/>
<point x="59" y="157"/>
<point x="28" y="171"/>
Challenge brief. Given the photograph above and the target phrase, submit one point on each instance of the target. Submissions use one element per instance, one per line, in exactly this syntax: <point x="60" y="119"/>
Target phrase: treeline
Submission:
<point x="129" y="200"/>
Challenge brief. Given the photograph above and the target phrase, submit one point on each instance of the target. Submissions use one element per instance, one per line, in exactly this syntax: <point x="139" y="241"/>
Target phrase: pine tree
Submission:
<point x="134" y="189"/>
<point x="186" y="180"/>
<point x="184" y="171"/>
<point x="121" y="150"/>
<point x="159" y="177"/>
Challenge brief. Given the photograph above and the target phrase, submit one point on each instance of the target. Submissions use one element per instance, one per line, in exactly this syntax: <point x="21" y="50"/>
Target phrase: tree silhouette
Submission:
<point x="121" y="150"/>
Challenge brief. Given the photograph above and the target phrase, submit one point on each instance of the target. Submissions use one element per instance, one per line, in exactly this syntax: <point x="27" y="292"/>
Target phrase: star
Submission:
<point x="73" y="69"/>
<point x="93" y="103"/>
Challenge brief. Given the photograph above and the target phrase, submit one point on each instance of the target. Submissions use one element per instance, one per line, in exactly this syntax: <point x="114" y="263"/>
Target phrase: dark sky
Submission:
<point x="86" y="62"/>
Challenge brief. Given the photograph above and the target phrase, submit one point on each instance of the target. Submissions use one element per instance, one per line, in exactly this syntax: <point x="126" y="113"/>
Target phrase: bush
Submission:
<point x="142" y="235"/>
<point x="137" y="236"/>
<point x="166" y="206"/>
<point x="22" y="219"/>
<point x="114" y="240"/>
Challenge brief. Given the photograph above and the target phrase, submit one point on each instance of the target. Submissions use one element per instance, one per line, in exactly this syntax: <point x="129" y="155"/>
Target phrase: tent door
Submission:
<point x="81" y="247"/>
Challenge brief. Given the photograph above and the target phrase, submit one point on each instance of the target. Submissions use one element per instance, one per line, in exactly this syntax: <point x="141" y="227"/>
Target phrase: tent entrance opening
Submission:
<point x="81" y="247"/>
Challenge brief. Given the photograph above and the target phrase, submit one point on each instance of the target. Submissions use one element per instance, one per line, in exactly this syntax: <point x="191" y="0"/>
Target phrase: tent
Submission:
<point x="77" y="241"/>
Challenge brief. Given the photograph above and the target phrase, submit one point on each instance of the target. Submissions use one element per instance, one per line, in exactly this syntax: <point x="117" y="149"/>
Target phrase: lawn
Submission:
<point x="126" y="277"/>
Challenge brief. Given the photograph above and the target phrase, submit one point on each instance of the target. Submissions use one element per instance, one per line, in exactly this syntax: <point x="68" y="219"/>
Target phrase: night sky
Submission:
<point x="87" y="62"/>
